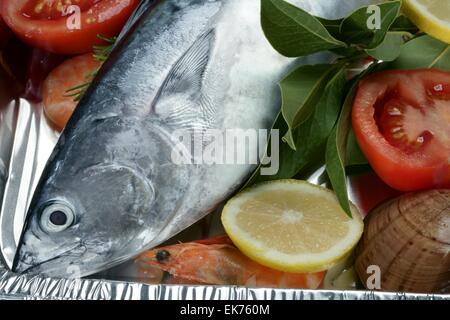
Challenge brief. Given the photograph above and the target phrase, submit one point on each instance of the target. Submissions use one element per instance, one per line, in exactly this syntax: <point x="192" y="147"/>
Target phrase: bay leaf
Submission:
<point x="402" y="23"/>
<point x="391" y="47"/>
<point x="335" y="156"/>
<point x="311" y="137"/>
<point x="300" y="92"/>
<point x="336" y="149"/>
<point x="355" y="157"/>
<point x="333" y="26"/>
<point x="423" y="52"/>
<point x="292" y="31"/>
<point x="357" y="28"/>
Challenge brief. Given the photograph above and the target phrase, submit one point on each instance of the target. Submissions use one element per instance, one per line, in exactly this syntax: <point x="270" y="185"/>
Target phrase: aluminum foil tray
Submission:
<point x="36" y="288"/>
<point x="26" y="141"/>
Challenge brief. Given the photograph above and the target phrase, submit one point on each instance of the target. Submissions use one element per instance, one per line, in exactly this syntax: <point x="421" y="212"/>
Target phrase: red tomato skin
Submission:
<point x="369" y="191"/>
<point x="54" y="35"/>
<point x="401" y="171"/>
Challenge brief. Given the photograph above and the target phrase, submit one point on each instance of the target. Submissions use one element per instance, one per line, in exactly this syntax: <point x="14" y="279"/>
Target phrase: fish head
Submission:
<point x="94" y="213"/>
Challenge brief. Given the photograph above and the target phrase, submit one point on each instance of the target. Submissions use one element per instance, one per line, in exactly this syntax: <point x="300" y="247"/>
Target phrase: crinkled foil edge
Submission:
<point x="41" y="288"/>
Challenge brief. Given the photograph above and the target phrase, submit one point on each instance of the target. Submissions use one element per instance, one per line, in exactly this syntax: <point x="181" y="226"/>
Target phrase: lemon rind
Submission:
<point x="309" y="262"/>
<point x="426" y="21"/>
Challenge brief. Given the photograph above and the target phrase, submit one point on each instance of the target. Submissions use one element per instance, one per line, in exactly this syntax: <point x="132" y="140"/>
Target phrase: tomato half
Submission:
<point x="49" y="25"/>
<point x="401" y="121"/>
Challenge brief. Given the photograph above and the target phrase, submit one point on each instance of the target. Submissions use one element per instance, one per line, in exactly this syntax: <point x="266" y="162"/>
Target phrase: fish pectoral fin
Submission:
<point x="187" y="74"/>
<point x="180" y="99"/>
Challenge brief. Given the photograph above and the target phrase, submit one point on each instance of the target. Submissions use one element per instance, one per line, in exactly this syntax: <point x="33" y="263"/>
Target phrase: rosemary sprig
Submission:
<point x="101" y="53"/>
<point x="78" y="92"/>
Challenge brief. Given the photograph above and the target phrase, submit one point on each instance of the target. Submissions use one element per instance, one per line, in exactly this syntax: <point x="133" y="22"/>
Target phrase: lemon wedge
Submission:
<point x="431" y="16"/>
<point x="291" y="226"/>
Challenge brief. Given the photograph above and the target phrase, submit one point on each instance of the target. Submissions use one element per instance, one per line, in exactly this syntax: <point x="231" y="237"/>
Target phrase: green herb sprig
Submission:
<point x="101" y="53"/>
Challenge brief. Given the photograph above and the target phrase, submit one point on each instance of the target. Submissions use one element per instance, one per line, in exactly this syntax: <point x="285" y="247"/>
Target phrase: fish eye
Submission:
<point x="57" y="217"/>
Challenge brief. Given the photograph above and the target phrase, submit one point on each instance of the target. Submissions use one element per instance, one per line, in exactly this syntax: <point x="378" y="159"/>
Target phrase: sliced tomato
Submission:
<point x="49" y="25"/>
<point x="401" y="121"/>
<point x="58" y="105"/>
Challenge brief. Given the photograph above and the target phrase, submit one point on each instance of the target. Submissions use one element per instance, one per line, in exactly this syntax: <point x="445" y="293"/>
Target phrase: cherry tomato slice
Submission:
<point x="401" y="121"/>
<point x="66" y="27"/>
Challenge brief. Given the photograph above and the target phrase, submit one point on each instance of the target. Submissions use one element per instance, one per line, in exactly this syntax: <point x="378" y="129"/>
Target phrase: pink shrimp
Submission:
<point x="217" y="261"/>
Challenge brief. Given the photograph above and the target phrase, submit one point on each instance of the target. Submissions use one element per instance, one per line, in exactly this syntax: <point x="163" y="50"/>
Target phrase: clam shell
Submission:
<point x="408" y="238"/>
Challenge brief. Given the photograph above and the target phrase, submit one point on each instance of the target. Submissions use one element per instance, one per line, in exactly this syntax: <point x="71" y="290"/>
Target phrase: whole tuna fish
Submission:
<point x="111" y="188"/>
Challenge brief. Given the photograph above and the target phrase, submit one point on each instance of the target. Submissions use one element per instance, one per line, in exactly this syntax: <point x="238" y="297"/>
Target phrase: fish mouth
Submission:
<point x="49" y="265"/>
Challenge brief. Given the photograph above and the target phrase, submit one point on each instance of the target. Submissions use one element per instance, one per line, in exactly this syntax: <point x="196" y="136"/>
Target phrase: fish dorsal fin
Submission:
<point x="180" y="100"/>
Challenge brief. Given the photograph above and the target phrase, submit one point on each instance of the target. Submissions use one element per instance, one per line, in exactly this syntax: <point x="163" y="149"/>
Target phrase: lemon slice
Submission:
<point x="291" y="226"/>
<point x="431" y="16"/>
